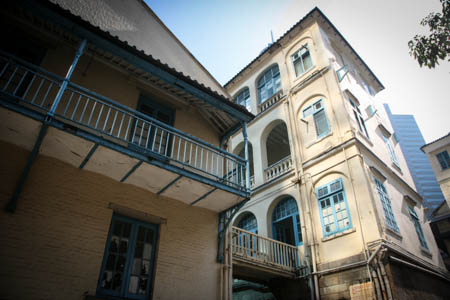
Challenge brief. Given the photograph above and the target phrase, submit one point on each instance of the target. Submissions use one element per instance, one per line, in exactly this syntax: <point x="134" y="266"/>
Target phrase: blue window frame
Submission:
<point x="419" y="231"/>
<point x="243" y="98"/>
<point x="317" y="110"/>
<point x="358" y="117"/>
<point x="302" y="60"/>
<point x="127" y="267"/>
<point x="391" y="151"/>
<point x="269" y="83"/>
<point x="333" y="208"/>
<point x="387" y="207"/>
<point x="444" y="160"/>
<point x="286" y="225"/>
<point x="248" y="222"/>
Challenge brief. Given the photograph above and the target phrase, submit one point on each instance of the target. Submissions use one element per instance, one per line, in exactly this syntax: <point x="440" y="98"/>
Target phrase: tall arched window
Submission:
<point x="286" y="222"/>
<point x="248" y="222"/>
<point x="269" y="83"/>
<point x="243" y="98"/>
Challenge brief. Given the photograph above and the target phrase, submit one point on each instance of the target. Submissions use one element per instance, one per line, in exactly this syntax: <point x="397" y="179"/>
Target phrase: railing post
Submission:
<point x="67" y="78"/>
<point x="247" y="163"/>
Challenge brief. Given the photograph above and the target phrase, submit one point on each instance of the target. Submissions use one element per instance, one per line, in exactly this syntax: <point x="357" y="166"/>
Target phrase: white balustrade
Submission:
<point x="278" y="168"/>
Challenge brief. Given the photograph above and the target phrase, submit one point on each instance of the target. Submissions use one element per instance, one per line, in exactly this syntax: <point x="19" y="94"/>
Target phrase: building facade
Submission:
<point x="112" y="175"/>
<point x="328" y="179"/>
<point x="410" y="139"/>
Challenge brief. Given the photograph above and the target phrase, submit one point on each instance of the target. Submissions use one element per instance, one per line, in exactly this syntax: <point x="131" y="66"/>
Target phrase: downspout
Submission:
<point x="247" y="163"/>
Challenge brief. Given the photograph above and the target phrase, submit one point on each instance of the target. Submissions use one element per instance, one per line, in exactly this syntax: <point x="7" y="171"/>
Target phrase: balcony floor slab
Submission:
<point x="151" y="178"/>
<point x="187" y="190"/>
<point x="18" y="129"/>
<point x="219" y="200"/>
<point x="65" y="146"/>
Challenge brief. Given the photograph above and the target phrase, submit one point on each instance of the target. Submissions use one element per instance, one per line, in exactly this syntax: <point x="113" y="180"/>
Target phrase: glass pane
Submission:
<point x="107" y="280"/>
<point x="117" y="228"/>
<point x="298" y="66"/>
<point x="321" y="122"/>
<point x="142" y="285"/>
<point x="139" y="249"/>
<point x="117" y="281"/>
<point x="307" y="61"/>
<point x="114" y="244"/>
<point x="134" y="284"/>
<point x="136" y="270"/>
<point x="120" y="263"/>
<point x="110" y="262"/>
<point x="126" y="230"/>
<point x="123" y="246"/>
<point x="145" y="267"/>
<point x="141" y="234"/>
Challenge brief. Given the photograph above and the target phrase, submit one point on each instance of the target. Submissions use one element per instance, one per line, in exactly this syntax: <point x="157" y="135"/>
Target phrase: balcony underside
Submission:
<point x="101" y="154"/>
<point x="248" y="269"/>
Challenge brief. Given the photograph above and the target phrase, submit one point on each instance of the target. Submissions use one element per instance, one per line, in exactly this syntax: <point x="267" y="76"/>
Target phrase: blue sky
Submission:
<point x="226" y="35"/>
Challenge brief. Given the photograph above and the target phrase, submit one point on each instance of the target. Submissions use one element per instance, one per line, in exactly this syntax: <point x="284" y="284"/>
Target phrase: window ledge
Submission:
<point x="320" y="139"/>
<point x="426" y="252"/>
<point x="364" y="137"/>
<point x="397" y="167"/>
<point x="339" y="234"/>
<point x="393" y="232"/>
<point x="297" y="78"/>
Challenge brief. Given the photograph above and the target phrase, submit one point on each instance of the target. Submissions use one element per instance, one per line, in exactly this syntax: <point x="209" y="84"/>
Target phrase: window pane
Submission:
<point x="321" y="122"/>
<point x="298" y="66"/>
<point x="307" y="61"/>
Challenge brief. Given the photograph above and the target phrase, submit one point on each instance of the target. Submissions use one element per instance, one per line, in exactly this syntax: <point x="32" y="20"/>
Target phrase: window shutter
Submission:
<point x="321" y="122"/>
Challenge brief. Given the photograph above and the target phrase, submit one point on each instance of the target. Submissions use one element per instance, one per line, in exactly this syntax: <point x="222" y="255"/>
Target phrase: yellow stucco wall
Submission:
<point x="52" y="247"/>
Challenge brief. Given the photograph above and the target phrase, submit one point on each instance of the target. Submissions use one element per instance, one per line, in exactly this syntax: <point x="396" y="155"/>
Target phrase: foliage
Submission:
<point x="428" y="50"/>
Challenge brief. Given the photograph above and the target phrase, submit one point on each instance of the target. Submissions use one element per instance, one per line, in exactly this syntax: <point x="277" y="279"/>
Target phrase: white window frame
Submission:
<point x="243" y="98"/>
<point x="314" y="110"/>
<point x="299" y="58"/>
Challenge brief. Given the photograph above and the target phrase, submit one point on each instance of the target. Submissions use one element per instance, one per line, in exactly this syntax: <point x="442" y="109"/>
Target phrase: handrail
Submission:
<point x="36" y="88"/>
<point x="266" y="251"/>
<point x="278" y="168"/>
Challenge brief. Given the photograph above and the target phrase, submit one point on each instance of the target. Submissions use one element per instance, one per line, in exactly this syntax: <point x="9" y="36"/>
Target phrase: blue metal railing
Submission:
<point x="37" y="88"/>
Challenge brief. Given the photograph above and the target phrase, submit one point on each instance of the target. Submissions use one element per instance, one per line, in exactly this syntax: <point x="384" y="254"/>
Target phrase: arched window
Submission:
<point x="286" y="222"/>
<point x="243" y="98"/>
<point x="248" y="222"/>
<point x="269" y="83"/>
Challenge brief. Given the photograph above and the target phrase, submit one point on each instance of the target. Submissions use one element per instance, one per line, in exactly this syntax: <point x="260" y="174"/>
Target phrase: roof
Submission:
<point x="276" y="45"/>
<point x="142" y="54"/>
<point x="441" y="138"/>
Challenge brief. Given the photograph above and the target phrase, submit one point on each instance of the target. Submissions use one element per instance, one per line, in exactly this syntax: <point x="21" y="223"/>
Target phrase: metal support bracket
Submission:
<point x="169" y="185"/>
<point x="88" y="156"/>
<point x="131" y="171"/>
<point x="204" y="196"/>
<point x="225" y="218"/>
<point x="12" y="204"/>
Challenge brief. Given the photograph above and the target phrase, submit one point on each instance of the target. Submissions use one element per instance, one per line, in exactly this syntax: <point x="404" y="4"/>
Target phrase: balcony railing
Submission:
<point x="268" y="252"/>
<point x="35" y="88"/>
<point x="271" y="101"/>
<point x="278" y="168"/>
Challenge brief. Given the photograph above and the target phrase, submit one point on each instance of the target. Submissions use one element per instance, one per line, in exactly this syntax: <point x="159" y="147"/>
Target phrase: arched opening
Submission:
<point x="269" y="83"/>
<point x="248" y="222"/>
<point x="286" y="222"/>
<point x="277" y="144"/>
<point x="240" y="151"/>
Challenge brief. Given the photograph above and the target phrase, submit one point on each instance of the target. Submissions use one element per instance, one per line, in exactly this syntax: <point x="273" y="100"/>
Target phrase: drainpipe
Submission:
<point x="247" y="163"/>
<point x="386" y="280"/>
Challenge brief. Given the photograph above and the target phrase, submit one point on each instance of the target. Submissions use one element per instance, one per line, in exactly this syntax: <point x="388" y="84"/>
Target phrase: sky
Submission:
<point x="225" y="36"/>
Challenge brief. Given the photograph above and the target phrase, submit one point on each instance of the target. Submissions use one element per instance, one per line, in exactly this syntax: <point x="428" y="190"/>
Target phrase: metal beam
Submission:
<point x="88" y="156"/>
<point x="131" y="171"/>
<point x="204" y="196"/>
<point x="12" y="204"/>
<point x="170" y="184"/>
<point x="225" y="218"/>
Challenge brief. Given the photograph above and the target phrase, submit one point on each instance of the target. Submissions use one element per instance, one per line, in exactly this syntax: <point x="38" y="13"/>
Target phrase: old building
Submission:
<point x="111" y="170"/>
<point x="328" y="179"/>
<point x="438" y="155"/>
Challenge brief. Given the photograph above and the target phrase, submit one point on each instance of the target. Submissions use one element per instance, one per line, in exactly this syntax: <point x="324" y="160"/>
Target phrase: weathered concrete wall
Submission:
<point x="52" y="247"/>
<point x="408" y="283"/>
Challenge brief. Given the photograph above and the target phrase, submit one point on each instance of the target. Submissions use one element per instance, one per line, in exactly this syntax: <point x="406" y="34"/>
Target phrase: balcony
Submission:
<point x="279" y="168"/>
<point x="268" y="256"/>
<point x="93" y="132"/>
<point x="270" y="102"/>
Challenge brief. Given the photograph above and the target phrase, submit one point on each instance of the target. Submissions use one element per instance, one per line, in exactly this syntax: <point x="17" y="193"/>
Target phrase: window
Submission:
<point x="444" y="160"/>
<point x="387" y="208"/>
<point x="334" y="214"/>
<point x="358" y="117"/>
<point x="153" y="136"/>
<point x="320" y="118"/>
<point x="128" y="261"/>
<point x="248" y="222"/>
<point x="302" y="60"/>
<point x="243" y="98"/>
<point x="269" y="83"/>
<point x="415" y="220"/>
<point x="391" y="151"/>
<point x="286" y="222"/>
